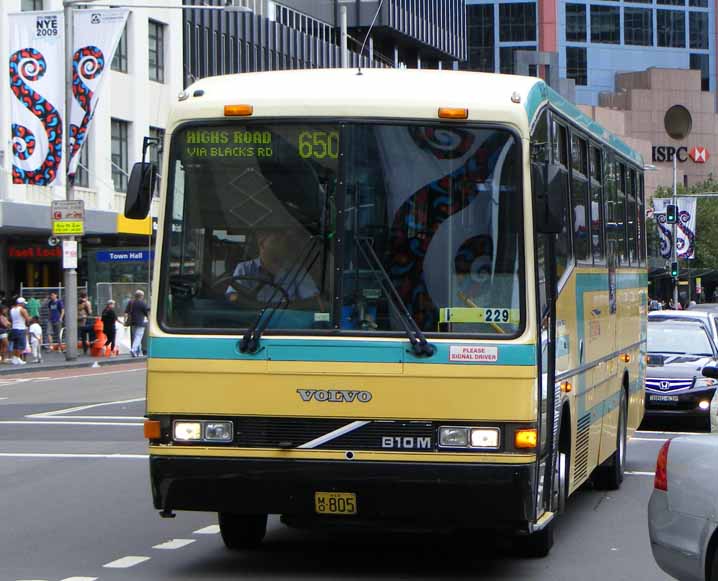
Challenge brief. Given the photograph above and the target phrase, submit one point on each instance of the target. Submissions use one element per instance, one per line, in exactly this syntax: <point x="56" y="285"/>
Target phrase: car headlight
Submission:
<point x="705" y="382"/>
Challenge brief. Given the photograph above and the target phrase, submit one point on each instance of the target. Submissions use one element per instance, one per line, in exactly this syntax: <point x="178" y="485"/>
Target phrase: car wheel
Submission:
<point x="536" y="545"/>
<point x="609" y="475"/>
<point x="241" y="531"/>
<point x="713" y="571"/>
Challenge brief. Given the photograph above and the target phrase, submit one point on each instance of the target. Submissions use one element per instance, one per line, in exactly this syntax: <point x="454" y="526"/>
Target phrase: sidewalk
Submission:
<point x="52" y="360"/>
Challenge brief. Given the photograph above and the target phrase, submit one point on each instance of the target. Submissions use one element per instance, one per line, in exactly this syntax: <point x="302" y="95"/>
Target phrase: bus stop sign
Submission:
<point x="68" y="217"/>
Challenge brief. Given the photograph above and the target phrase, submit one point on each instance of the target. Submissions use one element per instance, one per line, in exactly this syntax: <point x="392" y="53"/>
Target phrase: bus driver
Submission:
<point x="278" y="269"/>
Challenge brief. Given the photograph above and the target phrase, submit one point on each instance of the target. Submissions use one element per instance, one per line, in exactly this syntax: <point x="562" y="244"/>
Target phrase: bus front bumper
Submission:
<point x="454" y="494"/>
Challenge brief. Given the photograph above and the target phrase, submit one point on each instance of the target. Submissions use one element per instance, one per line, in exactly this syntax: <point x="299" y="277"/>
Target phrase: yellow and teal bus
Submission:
<point x="391" y="297"/>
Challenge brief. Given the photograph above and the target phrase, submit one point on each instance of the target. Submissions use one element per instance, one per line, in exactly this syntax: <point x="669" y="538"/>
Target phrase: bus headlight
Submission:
<point x="218" y="431"/>
<point x="450" y="437"/>
<point x="485" y="438"/>
<point x="187" y="431"/>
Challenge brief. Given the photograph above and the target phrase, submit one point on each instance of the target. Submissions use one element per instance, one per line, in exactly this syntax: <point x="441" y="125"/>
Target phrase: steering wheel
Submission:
<point x="252" y="294"/>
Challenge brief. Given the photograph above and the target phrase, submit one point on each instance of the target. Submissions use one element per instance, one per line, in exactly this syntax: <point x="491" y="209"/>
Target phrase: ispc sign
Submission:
<point x="668" y="152"/>
<point x="68" y="217"/>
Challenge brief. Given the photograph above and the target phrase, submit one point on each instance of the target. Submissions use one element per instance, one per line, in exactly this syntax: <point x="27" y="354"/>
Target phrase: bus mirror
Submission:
<point x="139" y="191"/>
<point x="548" y="188"/>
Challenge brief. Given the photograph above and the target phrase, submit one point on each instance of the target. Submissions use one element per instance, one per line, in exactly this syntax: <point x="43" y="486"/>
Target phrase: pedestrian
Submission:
<point x="33" y="307"/>
<point x="84" y="322"/>
<point x="5" y="327"/>
<point x="136" y="315"/>
<point x="20" y="320"/>
<point x="109" y="319"/>
<point x="36" y="339"/>
<point x="57" y="314"/>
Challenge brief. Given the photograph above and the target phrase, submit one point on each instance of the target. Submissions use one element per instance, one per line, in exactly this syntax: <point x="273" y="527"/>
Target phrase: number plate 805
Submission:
<point x="335" y="503"/>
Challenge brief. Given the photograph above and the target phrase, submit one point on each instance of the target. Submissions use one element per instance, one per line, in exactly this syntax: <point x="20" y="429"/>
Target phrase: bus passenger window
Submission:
<point x="620" y="216"/>
<point x="597" y="206"/>
<point x="631" y="217"/>
<point x="563" y="240"/>
<point x="579" y="195"/>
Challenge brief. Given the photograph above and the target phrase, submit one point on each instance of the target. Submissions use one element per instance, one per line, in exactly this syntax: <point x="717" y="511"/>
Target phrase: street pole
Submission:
<point x="344" y="54"/>
<point x="674" y="255"/>
<point x="70" y="274"/>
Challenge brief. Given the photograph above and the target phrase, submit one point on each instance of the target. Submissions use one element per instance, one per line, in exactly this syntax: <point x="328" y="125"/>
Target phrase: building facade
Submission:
<point x="595" y="39"/>
<point x="144" y="77"/>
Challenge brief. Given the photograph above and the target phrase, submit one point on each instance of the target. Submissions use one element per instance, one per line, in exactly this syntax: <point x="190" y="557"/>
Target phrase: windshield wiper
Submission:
<point x="419" y="344"/>
<point x="250" y="340"/>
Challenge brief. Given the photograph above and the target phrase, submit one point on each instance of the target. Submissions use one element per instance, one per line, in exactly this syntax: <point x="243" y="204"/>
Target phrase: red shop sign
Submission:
<point x="34" y="252"/>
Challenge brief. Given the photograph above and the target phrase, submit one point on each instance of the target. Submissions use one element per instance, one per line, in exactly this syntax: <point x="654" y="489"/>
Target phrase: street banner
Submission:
<point x="96" y="34"/>
<point x="37" y="108"/>
<point x="685" y="227"/>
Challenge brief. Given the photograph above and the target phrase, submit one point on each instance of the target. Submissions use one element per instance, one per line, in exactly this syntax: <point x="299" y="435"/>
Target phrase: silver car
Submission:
<point x="683" y="510"/>
<point x="708" y="318"/>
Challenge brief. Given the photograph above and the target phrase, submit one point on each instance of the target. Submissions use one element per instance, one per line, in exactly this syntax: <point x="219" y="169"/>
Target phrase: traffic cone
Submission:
<point x="98" y="346"/>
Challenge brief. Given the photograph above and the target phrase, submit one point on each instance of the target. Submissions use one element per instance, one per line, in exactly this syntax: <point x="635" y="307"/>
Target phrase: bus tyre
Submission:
<point x="536" y="545"/>
<point x="713" y="571"/>
<point x="241" y="531"/>
<point x="609" y="475"/>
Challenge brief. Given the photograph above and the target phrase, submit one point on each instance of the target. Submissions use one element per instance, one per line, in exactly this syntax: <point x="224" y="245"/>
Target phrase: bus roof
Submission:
<point x="384" y="94"/>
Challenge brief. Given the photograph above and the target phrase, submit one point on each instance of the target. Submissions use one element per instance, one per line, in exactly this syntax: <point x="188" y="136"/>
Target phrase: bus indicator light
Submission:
<point x="453" y="113"/>
<point x="152" y="430"/>
<point x="526" y="438"/>
<point x="238" y="110"/>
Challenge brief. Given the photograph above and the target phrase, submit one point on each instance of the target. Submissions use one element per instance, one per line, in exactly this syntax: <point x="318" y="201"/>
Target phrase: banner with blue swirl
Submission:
<point x="685" y="227"/>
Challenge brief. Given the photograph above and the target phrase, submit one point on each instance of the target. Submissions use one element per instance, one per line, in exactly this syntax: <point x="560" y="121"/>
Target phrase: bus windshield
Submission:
<point x="317" y="221"/>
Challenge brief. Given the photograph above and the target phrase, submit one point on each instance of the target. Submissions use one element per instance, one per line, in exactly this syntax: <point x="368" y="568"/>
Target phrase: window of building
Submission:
<point x="699" y="62"/>
<point x="119" y="61"/>
<point x="671" y="28"/>
<point x="119" y="147"/>
<point x="82" y="175"/>
<point x="579" y="196"/>
<point x="638" y="26"/>
<point x="156" y="150"/>
<point x="597" y="206"/>
<point x="480" y="19"/>
<point x="698" y="29"/>
<point x="577" y="64"/>
<point x="30" y="5"/>
<point x="506" y="57"/>
<point x="575" y="22"/>
<point x="157" y="51"/>
<point x="605" y="24"/>
<point x="517" y="22"/>
<point x="672" y="2"/>
<point x="699" y="3"/>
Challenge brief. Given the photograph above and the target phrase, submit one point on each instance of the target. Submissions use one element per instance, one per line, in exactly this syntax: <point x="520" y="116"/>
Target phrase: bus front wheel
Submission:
<point x="242" y="531"/>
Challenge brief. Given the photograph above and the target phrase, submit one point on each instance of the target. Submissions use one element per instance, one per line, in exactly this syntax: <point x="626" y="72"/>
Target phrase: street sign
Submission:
<point x="68" y="217"/>
<point x="69" y="254"/>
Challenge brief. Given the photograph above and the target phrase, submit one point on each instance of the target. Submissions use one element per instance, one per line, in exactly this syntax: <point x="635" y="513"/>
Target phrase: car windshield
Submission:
<point x="682" y="339"/>
<point x="291" y="215"/>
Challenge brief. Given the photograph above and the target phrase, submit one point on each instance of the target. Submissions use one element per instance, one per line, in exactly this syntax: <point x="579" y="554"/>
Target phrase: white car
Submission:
<point x="683" y="510"/>
<point x="709" y="319"/>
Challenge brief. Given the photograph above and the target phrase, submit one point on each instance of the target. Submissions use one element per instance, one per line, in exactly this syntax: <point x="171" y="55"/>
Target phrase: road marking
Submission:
<point x="83" y="407"/>
<point x="637" y="473"/>
<point x="136" y="418"/>
<point x="126" y="562"/>
<point x="80" y="579"/>
<point x="647" y="432"/>
<point x="659" y="440"/>
<point x="61" y="423"/>
<point x="174" y="544"/>
<point x="67" y="455"/>
<point x="210" y="530"/>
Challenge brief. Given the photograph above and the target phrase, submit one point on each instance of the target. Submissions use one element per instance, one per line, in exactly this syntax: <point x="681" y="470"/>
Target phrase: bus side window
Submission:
<point x="564" y="251"/>
<point x="631" y="216"/>
<point x="597" y="240"/>
<point x="641" y="223"/>
<point x="621" y="216"/>
<point x="579" y="194"/>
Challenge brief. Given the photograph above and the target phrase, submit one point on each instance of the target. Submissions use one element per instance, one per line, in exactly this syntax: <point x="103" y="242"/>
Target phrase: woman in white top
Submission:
<point x="18" y="334"/>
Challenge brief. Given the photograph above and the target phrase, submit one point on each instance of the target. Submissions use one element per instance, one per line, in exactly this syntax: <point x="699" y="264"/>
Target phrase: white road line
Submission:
<point x="83" y="456"/>
<point x="64" y="423"/>
<point x="126" y="562"/>
<point x="174" y="544"/>
<point x="80" y="579"/>
<point x="647" y="432"/>
<point x="128" y="418"/>
<point x="637" y="473"/>
<point x="83" y="407"/>
<point x="210" y="530"/>
<point x="659" y="440"/>
<point x="3" y="398"/>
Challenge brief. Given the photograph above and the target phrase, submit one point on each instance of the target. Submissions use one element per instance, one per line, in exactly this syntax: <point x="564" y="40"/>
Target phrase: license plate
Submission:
<point x="663" y="398"/>
<point x="335" y="503"/>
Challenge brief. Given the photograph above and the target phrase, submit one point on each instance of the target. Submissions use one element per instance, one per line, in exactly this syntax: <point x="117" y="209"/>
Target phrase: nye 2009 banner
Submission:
<point x="37" y="81"/>
<point x="685" y="227"/>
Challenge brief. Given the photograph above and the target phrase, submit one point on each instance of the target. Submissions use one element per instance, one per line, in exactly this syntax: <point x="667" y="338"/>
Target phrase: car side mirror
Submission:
<point x="711" y="372"/>
<point x="139" y="190"/>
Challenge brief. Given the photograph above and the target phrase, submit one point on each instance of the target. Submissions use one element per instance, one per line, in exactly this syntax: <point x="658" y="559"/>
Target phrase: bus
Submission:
<point x="391" y="297"/>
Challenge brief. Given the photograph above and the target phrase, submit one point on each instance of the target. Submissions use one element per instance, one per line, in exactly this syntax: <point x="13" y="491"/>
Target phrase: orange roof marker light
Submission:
<point x="453" y="113"/>
<point x="238" y="110"/>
